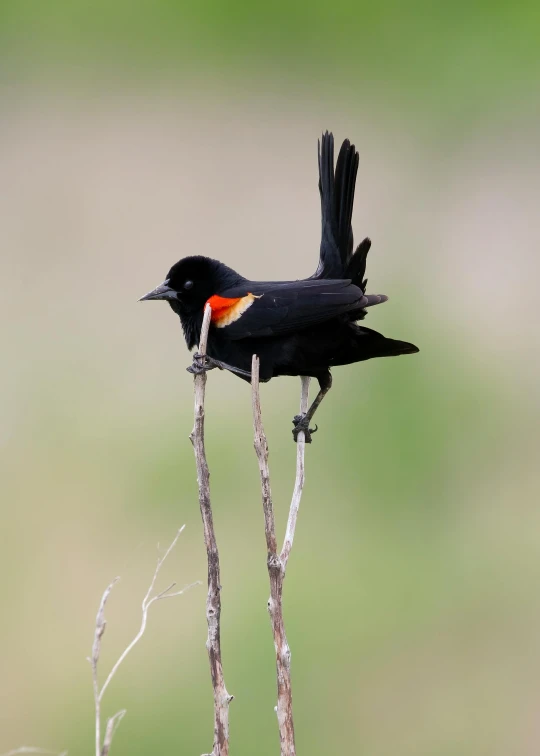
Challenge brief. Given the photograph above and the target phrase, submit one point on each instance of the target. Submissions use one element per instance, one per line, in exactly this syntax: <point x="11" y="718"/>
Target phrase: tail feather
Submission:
<point x="337" y="201"/>
<point x="388" y="348"/>
<point x="368" y="344"/>
<point x="345" y="182"/>
<point x="329" y="259"/>
<point x="326" y="176"/>
<point x="374" y="344"/>
<point x="369" y="301"/>
<point x="375" y="299"/>
<point x="356" y="268"/>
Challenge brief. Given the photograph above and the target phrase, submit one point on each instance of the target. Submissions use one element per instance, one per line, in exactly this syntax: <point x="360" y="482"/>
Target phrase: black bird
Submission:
<point x="295" y="327"/>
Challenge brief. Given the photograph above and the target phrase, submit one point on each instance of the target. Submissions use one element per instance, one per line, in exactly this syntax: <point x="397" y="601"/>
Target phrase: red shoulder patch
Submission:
<point x="226" y="310"/>
<point x="220" y="306"/>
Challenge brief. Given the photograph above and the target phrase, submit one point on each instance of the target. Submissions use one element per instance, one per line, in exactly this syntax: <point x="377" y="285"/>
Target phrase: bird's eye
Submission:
<point x="188" y="285"/>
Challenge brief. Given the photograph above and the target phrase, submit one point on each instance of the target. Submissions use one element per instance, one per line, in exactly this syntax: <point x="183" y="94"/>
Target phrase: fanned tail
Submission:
<point x="337" y="259"/>
<point x="337" y="201"/>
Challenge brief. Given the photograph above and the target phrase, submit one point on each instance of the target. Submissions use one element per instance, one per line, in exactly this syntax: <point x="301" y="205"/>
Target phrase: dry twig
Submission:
<point x="148" y="600"/>
<point x="277" y="563"/>
<point x="222" y="698"/>
<point x="34" y="749"/>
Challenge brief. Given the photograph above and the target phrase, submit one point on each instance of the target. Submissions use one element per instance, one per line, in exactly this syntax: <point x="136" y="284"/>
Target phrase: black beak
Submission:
<point x="163" y="291"/>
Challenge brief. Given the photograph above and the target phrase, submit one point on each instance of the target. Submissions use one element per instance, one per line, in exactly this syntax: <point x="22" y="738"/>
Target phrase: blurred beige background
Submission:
<point x="412" y="594"/>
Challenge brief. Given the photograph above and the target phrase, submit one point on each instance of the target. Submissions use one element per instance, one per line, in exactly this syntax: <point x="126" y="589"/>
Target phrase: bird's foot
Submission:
<point x="202" y="363"/>
<point x="301" y="423"/>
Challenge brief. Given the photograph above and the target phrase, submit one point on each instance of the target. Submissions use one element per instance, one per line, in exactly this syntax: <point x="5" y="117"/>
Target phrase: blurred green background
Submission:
<point x="132" y="134"/>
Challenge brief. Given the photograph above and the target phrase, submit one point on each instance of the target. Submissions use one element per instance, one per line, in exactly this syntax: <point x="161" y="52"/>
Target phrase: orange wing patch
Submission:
<point x="225" y="311"/>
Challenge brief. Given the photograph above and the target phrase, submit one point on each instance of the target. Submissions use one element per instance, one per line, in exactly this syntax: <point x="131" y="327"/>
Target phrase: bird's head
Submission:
<point x="189" y="284"/>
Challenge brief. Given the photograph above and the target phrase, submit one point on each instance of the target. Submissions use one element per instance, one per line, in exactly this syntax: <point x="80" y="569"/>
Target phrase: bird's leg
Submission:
<point x="202" y="363"/>
<point x="301" y="422"/>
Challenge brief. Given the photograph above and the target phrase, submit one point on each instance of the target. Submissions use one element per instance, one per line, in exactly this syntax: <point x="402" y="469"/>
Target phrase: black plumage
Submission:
<point x="300" y="327"/>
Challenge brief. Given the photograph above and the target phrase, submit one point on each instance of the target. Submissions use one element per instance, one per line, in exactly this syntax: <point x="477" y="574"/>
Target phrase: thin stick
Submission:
<point x="299" y="480"/>
<point x="34" y="749"/>
<point x="277" y="563"/>
<point x="222" y="699"/>
<point x="101" y="624"/>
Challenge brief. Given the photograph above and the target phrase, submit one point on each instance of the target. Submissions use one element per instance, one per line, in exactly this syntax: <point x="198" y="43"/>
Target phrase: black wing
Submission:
<point x="292" y="305"/>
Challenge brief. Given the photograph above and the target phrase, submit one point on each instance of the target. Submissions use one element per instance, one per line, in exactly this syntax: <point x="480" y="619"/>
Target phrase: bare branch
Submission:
<point x="277" y="562"/>
<point x="34" y="749"/>
<point x="96" y="647"/>
<point x="146" y="604"/>
<point x="148" y="600"/>
<point x="222" y="698"/>
<point x="159" y="563"/>
<point x="299" y="480"/>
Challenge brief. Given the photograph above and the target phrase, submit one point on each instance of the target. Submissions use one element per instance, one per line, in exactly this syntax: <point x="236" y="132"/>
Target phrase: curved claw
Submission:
<point x="196" y="369"/>
<point x="201" y="364"/>
<point x="301" y="423"/>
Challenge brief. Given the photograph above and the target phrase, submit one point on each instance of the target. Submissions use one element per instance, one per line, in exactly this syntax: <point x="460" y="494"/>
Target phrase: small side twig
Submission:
<point x="101" y="623"/>
<point x="222" y="698"/>
<point x="277" y="563"/>
<point x="110" y="729"/>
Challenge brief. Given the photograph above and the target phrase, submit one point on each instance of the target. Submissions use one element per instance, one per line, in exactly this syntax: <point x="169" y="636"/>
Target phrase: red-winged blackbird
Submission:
<point x="296" y="327"/>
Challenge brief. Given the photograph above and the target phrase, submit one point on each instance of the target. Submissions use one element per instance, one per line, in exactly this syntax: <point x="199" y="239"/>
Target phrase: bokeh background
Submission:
<point x="132" y="134"/>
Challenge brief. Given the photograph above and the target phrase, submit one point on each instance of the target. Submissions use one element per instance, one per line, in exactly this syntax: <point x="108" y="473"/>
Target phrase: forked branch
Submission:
<point x="101" y="623"/>
<point x="277" y="563"/>
<point x="222" y="698"/>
